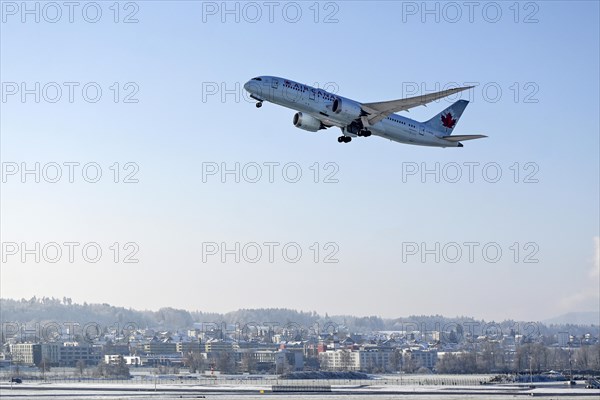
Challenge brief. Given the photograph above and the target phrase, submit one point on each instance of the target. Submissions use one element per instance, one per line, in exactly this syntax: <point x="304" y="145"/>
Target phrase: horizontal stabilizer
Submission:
<point x="460" y="138"/>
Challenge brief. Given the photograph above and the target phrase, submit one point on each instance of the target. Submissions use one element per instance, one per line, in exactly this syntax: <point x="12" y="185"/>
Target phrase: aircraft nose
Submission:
<point x="247" y="86"/>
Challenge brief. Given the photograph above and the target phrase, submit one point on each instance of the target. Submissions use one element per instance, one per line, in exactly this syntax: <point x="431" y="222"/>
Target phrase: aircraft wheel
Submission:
<point x="347" y="139"/>
<point x="259" y="104"/>
<point x="340" y="139"/>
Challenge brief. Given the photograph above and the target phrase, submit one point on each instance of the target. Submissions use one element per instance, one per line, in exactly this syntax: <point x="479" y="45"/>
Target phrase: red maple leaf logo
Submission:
<point x="448" y="121"/>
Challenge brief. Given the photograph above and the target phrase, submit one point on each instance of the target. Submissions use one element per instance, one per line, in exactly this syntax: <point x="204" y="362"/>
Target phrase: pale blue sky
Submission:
<point x="372" y="53"/>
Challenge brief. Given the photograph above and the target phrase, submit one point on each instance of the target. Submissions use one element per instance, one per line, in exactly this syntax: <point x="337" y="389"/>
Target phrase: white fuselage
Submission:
<point x="318" y="103"/>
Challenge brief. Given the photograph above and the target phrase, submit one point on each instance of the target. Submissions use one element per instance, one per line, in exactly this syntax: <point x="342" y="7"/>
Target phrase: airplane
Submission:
<point x="318" y="109"/>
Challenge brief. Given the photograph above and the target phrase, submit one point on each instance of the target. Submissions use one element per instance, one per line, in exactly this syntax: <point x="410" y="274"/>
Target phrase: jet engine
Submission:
<point x="307" y="122"/>
<point x="346" y="109"/>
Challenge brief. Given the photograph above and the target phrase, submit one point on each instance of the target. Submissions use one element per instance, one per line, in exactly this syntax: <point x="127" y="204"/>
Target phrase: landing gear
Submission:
<point x="364" y="133"/>
<point x="259" y="104"/>
<point x="344" y="139"/>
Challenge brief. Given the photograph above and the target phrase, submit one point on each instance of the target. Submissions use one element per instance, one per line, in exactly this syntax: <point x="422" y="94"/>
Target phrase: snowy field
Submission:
<point x="76" y="391"/>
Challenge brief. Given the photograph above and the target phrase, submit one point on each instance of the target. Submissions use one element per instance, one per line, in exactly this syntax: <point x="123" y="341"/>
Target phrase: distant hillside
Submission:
<point x="62" y="311"/>
<point x="576" y="318"/>
<point x="41" y="310"/>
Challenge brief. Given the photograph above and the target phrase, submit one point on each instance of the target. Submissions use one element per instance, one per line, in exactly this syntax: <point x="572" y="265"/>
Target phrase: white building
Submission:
<point x="367" y="358"/>
<point x="340" y="360"/>
<point x="116" y="359"/>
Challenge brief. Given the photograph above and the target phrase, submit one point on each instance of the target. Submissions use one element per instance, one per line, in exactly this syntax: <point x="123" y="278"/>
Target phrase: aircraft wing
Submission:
<point x="380" y="110"/>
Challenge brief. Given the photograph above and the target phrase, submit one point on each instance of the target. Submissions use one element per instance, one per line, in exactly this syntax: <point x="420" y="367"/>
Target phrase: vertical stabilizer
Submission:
<point x="445" y="121"/>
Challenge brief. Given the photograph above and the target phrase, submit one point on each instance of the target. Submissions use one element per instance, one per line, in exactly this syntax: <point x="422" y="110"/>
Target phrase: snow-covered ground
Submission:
<point x="83" y="390"/>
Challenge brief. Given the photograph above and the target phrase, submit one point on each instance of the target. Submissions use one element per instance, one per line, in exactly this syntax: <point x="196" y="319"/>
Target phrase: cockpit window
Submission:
<point x="256" y="79"/>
